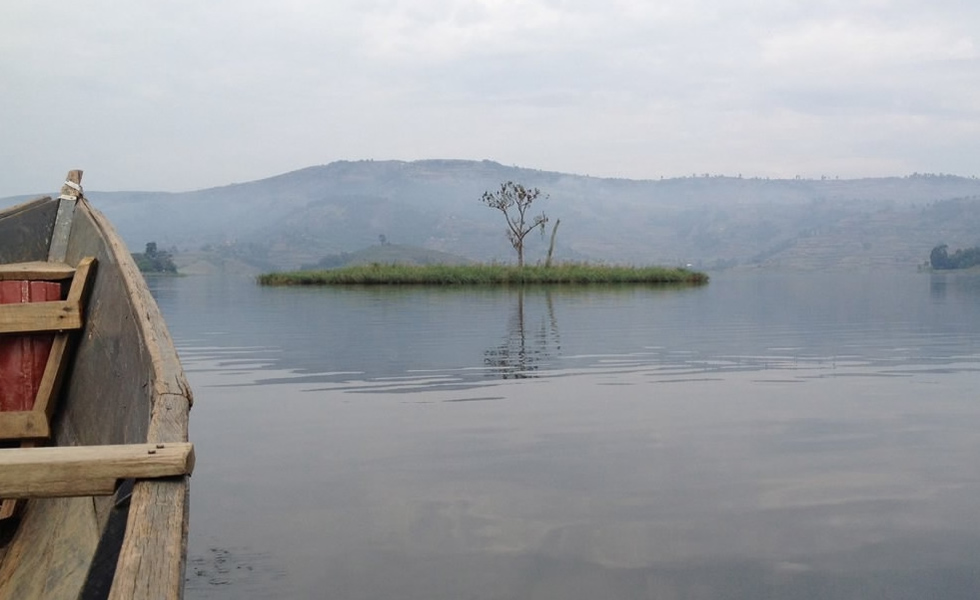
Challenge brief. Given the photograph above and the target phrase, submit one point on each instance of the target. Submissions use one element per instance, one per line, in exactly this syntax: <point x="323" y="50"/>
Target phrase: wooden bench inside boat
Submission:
<point x="88" y="470"/>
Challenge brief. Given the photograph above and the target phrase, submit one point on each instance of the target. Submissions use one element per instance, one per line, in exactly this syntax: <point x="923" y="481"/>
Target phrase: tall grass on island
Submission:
<point x="492" y="274"/>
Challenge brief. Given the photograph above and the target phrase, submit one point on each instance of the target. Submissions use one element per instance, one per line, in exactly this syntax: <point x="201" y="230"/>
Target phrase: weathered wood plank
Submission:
<point x="153" y="556"/>
<point x="81" y="283"/>
<point x="24" y="425"/>
<point x="71" y="191"/>
<point x="110" y="367"/>
<point x="40" y="316"/>
<point x="25" y="231"/>
<point x="87" y="470"/>
<point x="54" y="371"/>
<point x="37" y="269"/>
<point x="50" y="554"/>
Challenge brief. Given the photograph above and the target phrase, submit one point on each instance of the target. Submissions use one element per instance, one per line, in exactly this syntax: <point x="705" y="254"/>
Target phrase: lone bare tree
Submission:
<point x="515" y="196"/>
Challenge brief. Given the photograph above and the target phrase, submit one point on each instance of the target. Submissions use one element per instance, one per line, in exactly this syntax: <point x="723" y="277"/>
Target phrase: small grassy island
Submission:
<point x="573" y="273"/>
<point x="514" y="200"/>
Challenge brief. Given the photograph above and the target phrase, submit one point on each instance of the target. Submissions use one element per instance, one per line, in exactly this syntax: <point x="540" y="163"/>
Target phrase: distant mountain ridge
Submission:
<point x="297" y="218"/>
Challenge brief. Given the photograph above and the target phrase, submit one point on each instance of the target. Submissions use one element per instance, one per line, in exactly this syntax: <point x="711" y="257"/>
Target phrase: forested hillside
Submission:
<point x="711" y="222"/>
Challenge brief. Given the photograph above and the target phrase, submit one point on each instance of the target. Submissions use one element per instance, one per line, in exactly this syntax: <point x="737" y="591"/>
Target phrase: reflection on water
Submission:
<point x="523" y="350"/>
<point x="766" y="436"/>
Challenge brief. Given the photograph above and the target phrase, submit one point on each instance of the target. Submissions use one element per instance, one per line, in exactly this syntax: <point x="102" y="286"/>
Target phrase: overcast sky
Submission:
<point x="185" y="94"/>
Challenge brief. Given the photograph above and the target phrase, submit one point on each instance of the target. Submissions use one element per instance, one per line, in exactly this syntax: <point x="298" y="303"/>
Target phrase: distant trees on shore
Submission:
<point x="153" y="260"/>
<point x="941" y="259"/>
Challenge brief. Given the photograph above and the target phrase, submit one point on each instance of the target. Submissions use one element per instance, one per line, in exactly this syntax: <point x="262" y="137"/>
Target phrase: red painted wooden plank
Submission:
<point x="23" y="357"/>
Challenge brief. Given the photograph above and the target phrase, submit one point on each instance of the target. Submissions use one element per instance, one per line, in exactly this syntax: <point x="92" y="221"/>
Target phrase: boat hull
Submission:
<point x="124" y="385"/>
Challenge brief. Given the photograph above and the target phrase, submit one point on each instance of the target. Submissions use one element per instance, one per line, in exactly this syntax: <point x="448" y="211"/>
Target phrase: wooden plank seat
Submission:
<point x="88" y="470"/>
<point x="37" y="270"/>
<point x="35" y="317"/>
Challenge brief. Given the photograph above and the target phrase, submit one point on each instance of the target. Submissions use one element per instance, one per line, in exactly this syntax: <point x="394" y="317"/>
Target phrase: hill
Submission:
<point x="710" y="222"/>
<point x="387" y="254"/>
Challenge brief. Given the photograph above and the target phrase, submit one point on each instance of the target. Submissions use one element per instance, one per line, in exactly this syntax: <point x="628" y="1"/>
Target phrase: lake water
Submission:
<point x="769" y="435"/>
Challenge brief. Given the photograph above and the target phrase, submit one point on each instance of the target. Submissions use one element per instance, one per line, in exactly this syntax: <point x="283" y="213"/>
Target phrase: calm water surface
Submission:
<point x="766" y="436"/>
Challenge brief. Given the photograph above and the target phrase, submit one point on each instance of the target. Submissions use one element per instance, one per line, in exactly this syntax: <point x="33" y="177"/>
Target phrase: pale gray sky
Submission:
<point x="185" y="94"/>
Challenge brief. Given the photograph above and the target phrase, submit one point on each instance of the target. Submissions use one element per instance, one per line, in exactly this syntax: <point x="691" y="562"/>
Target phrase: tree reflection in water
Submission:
<point x="524" y="350"/>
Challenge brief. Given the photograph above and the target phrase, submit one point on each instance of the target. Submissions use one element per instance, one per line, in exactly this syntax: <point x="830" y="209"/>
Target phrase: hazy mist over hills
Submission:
<point x="708" y="221"/>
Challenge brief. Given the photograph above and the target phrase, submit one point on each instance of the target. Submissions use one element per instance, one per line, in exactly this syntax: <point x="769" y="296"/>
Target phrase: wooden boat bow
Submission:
<point x="122" y="416"/>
